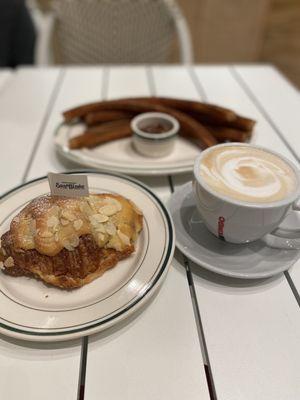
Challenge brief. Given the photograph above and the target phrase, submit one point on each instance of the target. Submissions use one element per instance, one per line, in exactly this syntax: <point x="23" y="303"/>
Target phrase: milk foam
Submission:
<point x="247" y="173"/>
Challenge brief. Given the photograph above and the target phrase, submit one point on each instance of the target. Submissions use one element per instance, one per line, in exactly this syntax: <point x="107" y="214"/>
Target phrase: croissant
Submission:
<point x="68" y="242"/>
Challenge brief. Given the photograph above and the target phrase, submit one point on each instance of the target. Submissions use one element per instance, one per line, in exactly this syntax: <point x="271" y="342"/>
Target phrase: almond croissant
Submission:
<point x="68" y="242"/>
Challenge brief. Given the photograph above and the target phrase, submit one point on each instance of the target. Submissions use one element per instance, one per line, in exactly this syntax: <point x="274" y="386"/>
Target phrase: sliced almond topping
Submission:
<point x="56" y="237"/>
<point x="74" y="241"/>
<point x="86" y="209"/>
<point x="92" y="202"/>
<point x="115" y="243"/>
<point x="96" y="219"/>
<point x="108" y="210"/>
<point x="124" y="238"/>
<point x="1" y="265"/>
<point x="3" y="251"/>
<point x="111" y="228"/>
<point x="71" y="243"/>
<point x="64" y="221"/>
<point x="9" y="262"/>
<point x="46" y="234"/>
<point x="100" y="228"/>
<point x="78" y="224"/>
<point x="101" y="237"/>
<point x="52" y="221"/>
<point x="68" y="215"/>
<point x="100" y="218"/>
<point x="68" y="246"/>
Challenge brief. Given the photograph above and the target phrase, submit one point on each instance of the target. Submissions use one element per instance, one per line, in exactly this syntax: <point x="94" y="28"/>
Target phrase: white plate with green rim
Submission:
<point x="30" y="310"/>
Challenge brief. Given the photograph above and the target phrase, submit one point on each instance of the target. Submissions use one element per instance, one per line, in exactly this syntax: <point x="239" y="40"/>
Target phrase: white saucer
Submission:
<point x="247" y="261"/>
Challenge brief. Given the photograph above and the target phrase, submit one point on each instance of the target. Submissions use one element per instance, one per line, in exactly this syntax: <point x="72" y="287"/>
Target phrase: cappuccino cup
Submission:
<point x="243" y="192"/>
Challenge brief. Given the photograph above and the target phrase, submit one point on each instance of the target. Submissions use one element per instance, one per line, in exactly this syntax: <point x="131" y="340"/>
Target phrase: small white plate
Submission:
<point x="119" y="155"/>
<point x="248" y="261"/>
<point x="30" y="310"/>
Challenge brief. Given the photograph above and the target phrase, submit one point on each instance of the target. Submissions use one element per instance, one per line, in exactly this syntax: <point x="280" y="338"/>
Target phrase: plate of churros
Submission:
<point x="73" y="266"/>
<point x="99" y="134"/>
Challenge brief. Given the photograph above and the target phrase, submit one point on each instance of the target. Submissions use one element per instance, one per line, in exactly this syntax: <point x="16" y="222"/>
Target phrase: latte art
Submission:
<point x="247" y="173"/>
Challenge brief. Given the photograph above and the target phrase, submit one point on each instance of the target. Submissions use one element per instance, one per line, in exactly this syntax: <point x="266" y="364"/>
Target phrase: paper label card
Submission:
<point x="68" y="185"/>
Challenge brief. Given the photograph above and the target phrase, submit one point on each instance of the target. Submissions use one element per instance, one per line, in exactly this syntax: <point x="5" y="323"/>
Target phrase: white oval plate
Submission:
<point x="245" y="261"/>
<point x="119" y="155"/>
<point x="30" y="310"/>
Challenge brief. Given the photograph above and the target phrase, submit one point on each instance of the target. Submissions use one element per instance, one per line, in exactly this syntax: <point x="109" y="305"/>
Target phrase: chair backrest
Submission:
<point x="113" y="31"/>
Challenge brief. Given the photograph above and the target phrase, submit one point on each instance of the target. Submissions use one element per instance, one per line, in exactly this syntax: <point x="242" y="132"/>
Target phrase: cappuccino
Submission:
<point x="248" y="174"/>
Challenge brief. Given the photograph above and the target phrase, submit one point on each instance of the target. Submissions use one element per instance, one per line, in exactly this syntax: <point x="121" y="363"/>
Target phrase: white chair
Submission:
<point x="119" y="31"/>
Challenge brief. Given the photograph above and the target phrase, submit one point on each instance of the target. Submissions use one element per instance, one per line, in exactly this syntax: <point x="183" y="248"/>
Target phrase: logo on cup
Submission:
<point x="221" y="223"/>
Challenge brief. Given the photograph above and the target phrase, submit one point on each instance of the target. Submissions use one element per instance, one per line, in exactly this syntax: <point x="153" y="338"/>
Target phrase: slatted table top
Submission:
<point x="203" y="336"/>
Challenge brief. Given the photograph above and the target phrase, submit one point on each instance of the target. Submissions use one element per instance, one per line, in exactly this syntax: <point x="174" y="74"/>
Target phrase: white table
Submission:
<point x="203" y="336"/>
